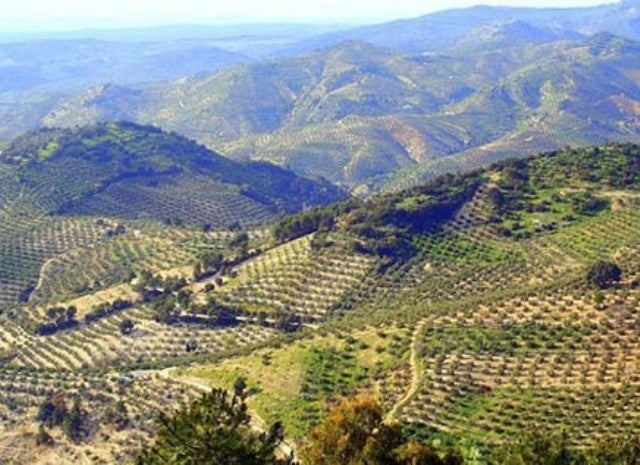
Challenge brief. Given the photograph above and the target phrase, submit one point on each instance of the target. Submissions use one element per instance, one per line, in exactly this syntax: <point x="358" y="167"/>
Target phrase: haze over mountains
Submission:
<point x="416" y="97"/>
<point x="439" y="31"/>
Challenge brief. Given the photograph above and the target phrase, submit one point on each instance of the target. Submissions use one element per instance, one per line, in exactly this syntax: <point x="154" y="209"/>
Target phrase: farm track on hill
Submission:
<point x="414" y="362"/>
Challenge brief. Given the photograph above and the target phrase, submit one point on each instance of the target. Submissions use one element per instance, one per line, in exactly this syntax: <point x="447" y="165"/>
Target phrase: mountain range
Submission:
<point x="383" y="106"/>
<point x="443" y="30"/>
<point x="355" y="114"/>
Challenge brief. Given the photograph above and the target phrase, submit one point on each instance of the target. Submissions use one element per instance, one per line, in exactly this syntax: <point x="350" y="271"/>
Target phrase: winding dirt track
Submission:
<point x="415" y="370"/>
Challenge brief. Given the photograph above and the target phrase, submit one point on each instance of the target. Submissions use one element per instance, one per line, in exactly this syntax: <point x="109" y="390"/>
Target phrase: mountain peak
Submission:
<point x="512" y="32"/>
<point x="605" y="43"/>
<point x="355" y="50"/>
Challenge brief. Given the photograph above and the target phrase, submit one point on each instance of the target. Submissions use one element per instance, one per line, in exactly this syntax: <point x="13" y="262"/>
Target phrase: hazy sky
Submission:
<point x="72" y="14"/>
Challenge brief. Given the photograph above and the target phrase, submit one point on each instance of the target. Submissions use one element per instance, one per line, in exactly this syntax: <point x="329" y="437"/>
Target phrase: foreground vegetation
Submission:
<point x="215" y="430"/>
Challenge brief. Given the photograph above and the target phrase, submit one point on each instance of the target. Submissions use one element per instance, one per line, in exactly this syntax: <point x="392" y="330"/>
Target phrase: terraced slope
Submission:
<point x="66" y="169"/>
<point x="66" y="197"/>
<point x="505" y="334"/>
<point x="462" y="304"/>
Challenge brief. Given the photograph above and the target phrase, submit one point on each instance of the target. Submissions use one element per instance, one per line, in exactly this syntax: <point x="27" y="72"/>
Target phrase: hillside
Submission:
<point x="66" y="191"/>
<point x="265" y="97"/>
<point x="328" y="92"/>
<point x="461" y="303"/>
<point x="585" y="95"/>
<point x="564" y="95"/>
<point x="36" y="75"/>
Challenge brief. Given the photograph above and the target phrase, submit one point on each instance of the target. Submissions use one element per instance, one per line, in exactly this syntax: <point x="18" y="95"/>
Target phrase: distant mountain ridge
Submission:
<point x="438" y="31"/>
<point x="70" y="65"/>
<point x="512" y="33"/>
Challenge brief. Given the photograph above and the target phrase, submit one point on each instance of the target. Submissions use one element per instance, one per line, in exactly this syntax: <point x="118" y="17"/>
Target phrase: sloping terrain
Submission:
<point x="49" y="163"/>
<point x="66" y="191"/>
<point x="356" y="115"/>
<point x="494" y="292"/>
<point x="580" y="94"/>
<point x="585" y="95"/>
<point x="463" y="304"/>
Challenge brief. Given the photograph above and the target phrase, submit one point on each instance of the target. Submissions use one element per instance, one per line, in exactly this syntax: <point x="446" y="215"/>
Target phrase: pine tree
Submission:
<point x="214" y="430"/>
<point x="72" y="423"/>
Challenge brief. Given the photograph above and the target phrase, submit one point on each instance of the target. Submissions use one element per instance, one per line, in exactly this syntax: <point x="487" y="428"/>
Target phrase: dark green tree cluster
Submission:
<point x="214" y="430"/>
<point x="166" y="296"/>
<point x="287" y="320"/>
<point x="208" y="264"/>
<point x="214" y="312"/>
<point x="603" y="274"/>
<point x="586" y="203"/>
<point x="126" y="326"/>
<point x="58" y="318"/>
<point x="240" y="241"/>
<point x="117" y="415"/>
<point x="106" y="309"/>
<point x="318" y="219"/>
<point x="55" y="412"/>
<point x="508" y="197"/>
<point x="43" y="438"/>
<point x="167" y="308"/>
<point x="150" y="286"/>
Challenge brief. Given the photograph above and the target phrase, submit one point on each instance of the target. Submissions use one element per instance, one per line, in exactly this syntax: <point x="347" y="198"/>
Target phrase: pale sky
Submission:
<point x="72" y="14"/>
